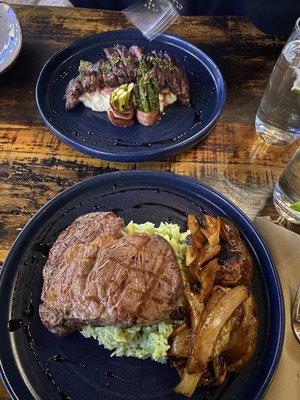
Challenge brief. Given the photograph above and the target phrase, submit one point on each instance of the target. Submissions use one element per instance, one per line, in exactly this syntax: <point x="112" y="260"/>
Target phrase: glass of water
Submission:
<point x="286" y="194"/>
<point x="278" y="116"/>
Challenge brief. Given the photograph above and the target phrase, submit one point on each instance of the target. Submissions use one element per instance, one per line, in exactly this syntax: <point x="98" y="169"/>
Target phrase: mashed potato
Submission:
<point x="147" y="341"/>
<point x="141" y="342"/>
<point x="97" y="100"/>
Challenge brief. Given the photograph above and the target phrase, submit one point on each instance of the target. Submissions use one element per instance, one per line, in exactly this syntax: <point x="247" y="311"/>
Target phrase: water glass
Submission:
<point x="278" y="116"/>
<point x="287" y="191"/>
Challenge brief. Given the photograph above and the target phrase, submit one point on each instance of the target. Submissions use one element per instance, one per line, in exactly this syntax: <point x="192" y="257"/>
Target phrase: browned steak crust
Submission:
<point x="97" y="274"/>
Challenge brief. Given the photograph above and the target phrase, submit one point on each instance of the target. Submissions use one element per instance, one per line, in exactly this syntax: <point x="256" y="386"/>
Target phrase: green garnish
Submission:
<point x="122" y="98"/>
<point x="115" y="59"/>
<point x="161" y="63"/>
<point x="83" y="65"/>
<point x="296" y="206"/>
<point x="142" y="70"/>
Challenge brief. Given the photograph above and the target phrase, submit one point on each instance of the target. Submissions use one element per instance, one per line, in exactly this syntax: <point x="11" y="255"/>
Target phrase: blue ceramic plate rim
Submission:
<point x="194" y="184"/>
<point x="143" y="155"/>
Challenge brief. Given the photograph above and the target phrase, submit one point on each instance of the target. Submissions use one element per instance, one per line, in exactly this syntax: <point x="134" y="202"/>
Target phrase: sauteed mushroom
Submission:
<point x="236" y="263"/>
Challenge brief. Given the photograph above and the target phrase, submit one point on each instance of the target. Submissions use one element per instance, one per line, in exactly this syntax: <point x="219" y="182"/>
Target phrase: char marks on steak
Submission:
<point x="73" y="92"/>
<point x="170" y="75"/>
<point x="136" y="52"/>
<point x="117" y="66"/>
<point x="109" y="79"/>
<point x="129" y="61"/>
<point x="97" y="274"/>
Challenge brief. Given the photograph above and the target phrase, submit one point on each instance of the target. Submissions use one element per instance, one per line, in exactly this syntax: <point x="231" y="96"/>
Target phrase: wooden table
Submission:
<point x="35" y="166"/>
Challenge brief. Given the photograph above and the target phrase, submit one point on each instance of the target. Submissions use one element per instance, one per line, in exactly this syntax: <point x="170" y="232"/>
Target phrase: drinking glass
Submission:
<point x="278" y="117"/>
<point x="286" y="194"/>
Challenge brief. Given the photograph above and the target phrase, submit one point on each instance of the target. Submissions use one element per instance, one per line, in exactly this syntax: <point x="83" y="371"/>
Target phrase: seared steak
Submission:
<point x="97" y="274"/>
<point x="121" y="66"/>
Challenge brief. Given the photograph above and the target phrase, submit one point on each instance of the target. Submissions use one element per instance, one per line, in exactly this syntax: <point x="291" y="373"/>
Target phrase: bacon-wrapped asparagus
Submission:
<point x="147" y="101"/>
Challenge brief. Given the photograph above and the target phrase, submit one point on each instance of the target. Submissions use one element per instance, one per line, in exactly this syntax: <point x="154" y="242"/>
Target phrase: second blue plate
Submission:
<point x="36" y="365"/>
<point x="92" y="133"/>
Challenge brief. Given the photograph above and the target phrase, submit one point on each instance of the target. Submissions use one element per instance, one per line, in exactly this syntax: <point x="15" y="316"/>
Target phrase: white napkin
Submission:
<point x="284" y="247"/>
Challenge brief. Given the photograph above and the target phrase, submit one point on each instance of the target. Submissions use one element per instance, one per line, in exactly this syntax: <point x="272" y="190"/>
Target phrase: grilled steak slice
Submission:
<point x="128" y="60"/>
<point x="97" y="274"/>
<point x="136" y="52"/>
<point x="117" y="65"/>
<point x="109" y="79"/>
<point x="169" y="74"/>
<point x="88" y="80"/>
<point x="73" y="92"/>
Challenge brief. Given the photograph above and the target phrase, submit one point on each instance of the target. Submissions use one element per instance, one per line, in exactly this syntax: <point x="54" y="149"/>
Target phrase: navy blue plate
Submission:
<point x="33" y="361"/>
<point x="92" y="133"/>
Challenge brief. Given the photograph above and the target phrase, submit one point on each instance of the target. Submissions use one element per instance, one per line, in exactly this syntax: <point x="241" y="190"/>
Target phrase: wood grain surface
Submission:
<point x="35" y="166"/>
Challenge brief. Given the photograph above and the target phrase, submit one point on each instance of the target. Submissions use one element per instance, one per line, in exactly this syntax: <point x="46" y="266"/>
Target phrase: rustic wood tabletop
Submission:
<point x="35" y="165"/>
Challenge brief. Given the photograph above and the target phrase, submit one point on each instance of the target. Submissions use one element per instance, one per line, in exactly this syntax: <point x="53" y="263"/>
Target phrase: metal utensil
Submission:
<point x="153" y="17"/>
<point x="296" y="315"/>
<point x="10" y="36"/>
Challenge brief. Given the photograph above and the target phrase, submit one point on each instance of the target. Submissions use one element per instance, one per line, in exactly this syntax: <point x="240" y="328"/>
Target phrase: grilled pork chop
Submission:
<point x="97" y="274"/>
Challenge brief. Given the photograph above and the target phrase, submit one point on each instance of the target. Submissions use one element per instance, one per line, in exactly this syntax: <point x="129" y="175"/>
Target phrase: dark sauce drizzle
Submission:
<point x="14" y="324"/>
<point x="57" y="358"/>
<point x="17" y="323"/>
<point x="41" y="248"/>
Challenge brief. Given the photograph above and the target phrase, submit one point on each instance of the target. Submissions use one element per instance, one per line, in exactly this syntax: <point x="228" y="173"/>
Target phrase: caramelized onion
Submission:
<point x="205" y="254"/>
<point x="208" y="332"/>
<point x="243" y="339"/>
<point x="188" y="383"/>
<point x="191" y="253"/>
<point x="196" y="302"/>
<point x="178" y="328"/>
<point x="180" y="345"/>
<point x="211" y="229"/>
<point x="197" y="236"/>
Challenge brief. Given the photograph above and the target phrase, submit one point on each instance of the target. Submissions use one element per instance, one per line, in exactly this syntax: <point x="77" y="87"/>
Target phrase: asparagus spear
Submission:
<point x="153" y="94"/>
<point x="142" y="70"/>
<point x="146" y="95"/>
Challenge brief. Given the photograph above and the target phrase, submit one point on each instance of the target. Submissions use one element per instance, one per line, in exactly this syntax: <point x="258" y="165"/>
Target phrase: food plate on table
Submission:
<point x="119" y="97"/>
<point x="51" y="359"/>
<point x="10" y="37"/>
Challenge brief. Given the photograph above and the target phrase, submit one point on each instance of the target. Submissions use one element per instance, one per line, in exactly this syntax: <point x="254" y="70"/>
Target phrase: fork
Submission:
<point x="153" y="17"/>
<point x="296" y="315"/>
